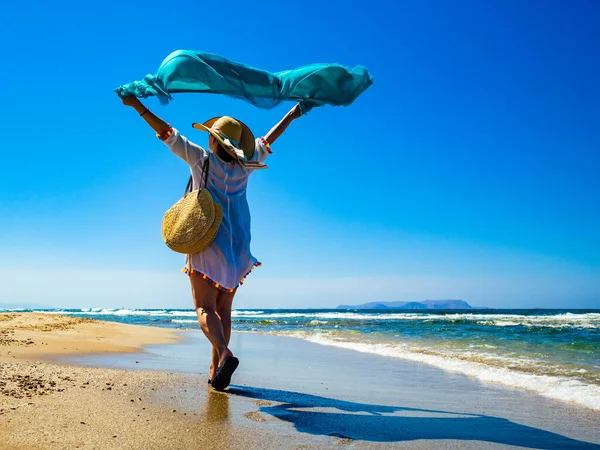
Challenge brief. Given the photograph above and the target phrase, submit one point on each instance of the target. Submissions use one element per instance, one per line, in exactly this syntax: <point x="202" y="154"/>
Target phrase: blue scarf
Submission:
<point x="312" y="85"/>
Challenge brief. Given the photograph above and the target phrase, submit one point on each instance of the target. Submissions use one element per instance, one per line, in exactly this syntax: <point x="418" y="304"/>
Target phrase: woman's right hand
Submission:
<point x="131" y="100"/>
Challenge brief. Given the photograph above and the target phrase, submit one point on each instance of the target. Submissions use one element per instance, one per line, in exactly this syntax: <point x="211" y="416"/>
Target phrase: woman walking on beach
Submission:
<point x="216" y="272"/>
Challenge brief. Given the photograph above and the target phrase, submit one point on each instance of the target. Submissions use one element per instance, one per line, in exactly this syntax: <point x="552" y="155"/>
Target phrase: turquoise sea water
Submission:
<point x="555" y="353"/>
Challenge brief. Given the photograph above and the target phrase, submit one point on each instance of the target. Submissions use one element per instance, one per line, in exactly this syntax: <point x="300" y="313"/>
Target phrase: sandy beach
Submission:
<point x="45" y="405"/>
<point x="76" y="383"/>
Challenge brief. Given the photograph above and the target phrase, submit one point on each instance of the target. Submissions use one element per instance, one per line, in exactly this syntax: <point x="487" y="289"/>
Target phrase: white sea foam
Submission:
<point x="123" y="312"/>
<point x="559" y="388"/>
<point x="588" y="320"/>
<point x="182" y="313"/>
<point x="566" y="320"/>
<point x="237" y="313"/>
<point x="317" y="322"/>
<point x="146" y="312"/>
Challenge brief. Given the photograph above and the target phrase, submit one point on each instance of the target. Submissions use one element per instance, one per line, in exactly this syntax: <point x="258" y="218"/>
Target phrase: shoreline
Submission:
<point x="295" y="379"/>
<point x="288" y="393"/>
<point x="546" y="362"/>
<point x="49" y="403"/>
<point x="550" y="386"/>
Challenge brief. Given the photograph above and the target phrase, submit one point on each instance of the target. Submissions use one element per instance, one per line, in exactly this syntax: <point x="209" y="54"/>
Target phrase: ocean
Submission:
<point x="555" y="353"/>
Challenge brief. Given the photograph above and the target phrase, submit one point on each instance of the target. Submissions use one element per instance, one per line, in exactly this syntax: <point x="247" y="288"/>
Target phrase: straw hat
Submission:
<point x="233" y="135"/>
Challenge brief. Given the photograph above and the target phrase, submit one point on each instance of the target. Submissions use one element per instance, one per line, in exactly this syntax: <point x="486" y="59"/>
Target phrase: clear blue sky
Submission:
<point x="468" y="170"/>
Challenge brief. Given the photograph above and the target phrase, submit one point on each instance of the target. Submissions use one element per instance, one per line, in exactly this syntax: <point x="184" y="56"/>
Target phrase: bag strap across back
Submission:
<point x="205" y="169"/>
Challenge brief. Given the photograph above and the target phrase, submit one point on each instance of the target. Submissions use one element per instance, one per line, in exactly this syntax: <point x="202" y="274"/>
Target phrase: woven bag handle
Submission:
<point x="188" y="188"/>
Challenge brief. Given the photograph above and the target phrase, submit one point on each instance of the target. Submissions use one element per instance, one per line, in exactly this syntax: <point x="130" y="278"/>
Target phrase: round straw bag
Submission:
<point x="191" y="224"/>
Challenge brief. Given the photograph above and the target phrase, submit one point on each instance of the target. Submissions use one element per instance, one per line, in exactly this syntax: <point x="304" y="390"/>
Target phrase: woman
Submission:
<point x="216" y="272"/>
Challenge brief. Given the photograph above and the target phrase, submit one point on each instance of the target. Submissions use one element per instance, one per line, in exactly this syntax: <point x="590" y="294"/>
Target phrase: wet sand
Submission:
<point x="288" y="393"/>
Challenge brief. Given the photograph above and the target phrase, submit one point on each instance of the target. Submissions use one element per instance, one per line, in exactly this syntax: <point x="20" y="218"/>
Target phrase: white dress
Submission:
<point x="227" y="260"/>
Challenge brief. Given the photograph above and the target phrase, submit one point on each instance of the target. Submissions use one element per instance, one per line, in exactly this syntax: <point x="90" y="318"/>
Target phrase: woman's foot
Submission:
<point x="226" y="354"/>
<point x="214" y="366"/>
<point x="223" y="376"/>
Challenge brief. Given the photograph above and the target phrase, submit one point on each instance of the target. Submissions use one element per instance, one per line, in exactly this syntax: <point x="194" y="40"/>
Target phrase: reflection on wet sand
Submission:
<point x="216" y="409"/>
<point x="215" y="413"/>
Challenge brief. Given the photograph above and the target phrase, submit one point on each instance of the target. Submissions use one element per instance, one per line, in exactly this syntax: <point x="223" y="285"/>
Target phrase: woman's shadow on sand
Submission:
<point x="379" y="423"/>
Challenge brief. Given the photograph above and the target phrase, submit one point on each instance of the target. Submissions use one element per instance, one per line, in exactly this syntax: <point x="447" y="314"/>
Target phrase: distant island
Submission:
<point x="425" y="304"/>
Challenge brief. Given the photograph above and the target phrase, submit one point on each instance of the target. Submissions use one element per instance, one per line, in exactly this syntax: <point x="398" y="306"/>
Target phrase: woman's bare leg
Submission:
<point x="205" y="301"/>
<point x="224" y="304"/>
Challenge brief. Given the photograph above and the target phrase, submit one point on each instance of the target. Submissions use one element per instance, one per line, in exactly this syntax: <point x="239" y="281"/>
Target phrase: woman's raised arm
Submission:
<point x="160" y="126"/>
<point x="278" y="129"/>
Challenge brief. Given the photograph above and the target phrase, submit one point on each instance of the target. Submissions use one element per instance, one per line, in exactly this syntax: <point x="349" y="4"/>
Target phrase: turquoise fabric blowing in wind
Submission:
<point x="311" y="85"/>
